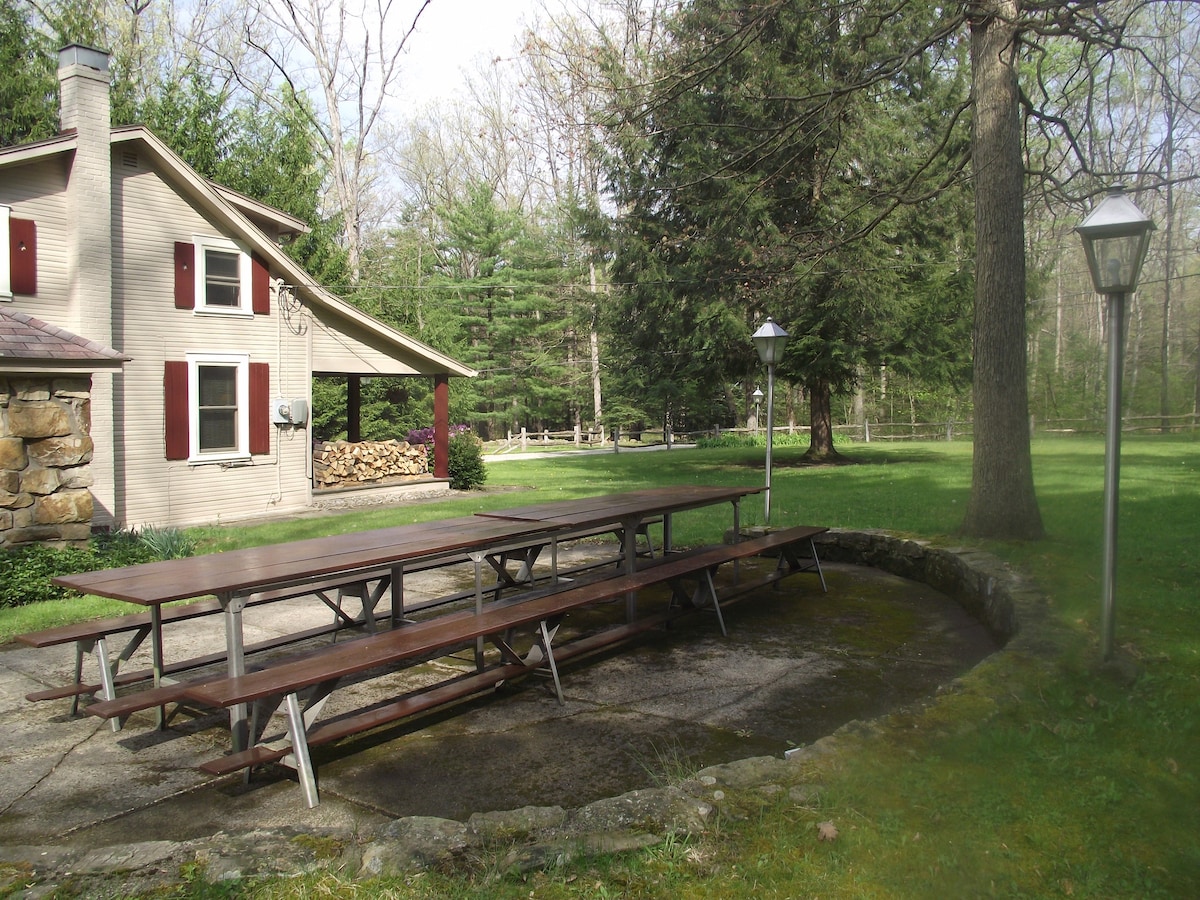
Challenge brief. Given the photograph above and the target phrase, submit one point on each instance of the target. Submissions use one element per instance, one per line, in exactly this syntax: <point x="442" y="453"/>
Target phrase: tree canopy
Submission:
<point x="894" y="183"/>
<point x="757" y="177"/>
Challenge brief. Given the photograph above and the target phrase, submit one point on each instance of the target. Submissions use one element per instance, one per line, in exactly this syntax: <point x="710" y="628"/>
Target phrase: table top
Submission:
<point x="276" y="565"/>
<point x="605" y="508"/>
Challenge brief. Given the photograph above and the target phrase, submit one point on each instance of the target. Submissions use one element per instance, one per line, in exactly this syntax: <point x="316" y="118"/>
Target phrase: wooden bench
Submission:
<point x="92" y="637"/>
<point x="321" y="670"/>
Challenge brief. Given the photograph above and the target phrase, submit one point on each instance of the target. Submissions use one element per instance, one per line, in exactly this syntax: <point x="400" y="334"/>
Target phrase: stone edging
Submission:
<point x="542" y="837"/>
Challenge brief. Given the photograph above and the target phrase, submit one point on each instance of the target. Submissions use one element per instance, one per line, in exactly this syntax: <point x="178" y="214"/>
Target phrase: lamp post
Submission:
<point x="1116" y="235"/>
<point x="757" y="395"/>
<point x="769" y="341"/>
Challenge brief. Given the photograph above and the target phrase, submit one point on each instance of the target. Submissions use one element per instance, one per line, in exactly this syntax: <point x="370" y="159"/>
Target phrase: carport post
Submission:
<point x="441" y="426"/>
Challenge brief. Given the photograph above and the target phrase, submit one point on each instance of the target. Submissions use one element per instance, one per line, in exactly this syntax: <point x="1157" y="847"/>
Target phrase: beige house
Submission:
<point x="106" y="233"/>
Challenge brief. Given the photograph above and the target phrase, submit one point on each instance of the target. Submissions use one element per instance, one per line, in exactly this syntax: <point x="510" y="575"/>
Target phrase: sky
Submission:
<point x="452" y="34"/>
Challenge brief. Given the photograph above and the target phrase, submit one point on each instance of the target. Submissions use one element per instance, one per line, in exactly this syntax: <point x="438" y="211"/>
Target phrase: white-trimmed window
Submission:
<point x="219" y="419"/>
<point x="216" y="408"/>
<point x="223" y="277"/>
<point x="217" y="275"/>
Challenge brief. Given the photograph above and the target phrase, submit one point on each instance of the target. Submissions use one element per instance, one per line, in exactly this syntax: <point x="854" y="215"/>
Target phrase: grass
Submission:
<point x="1036" y="777"/>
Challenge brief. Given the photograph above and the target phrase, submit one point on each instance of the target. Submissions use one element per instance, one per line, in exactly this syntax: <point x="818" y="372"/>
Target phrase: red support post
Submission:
<point x="441" y="426"/>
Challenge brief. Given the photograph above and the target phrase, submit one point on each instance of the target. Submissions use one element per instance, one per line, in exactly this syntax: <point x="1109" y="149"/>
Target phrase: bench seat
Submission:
<point x="172" y="692"/>
<point x="322" y="669"/>
<point x="92" y="637"/>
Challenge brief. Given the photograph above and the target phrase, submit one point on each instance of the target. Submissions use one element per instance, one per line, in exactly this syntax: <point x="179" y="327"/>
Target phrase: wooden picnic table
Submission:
<point x="626" y="512"/>
<point x="236" y="577"/>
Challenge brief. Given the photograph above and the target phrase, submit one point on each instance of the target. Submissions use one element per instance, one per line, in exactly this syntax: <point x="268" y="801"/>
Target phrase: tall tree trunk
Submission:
<point x="1002" y="503"/>
<point x="1164" y="385"/>
<point x="594" y="351"/>
<point x="820" y="439"/>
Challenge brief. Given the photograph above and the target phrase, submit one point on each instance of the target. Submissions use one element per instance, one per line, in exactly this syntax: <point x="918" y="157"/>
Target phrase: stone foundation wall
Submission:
<point x="45" y="457"/>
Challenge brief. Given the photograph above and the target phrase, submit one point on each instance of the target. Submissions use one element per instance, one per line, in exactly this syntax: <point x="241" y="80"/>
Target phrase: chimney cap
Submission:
<point x="80" y="54"/>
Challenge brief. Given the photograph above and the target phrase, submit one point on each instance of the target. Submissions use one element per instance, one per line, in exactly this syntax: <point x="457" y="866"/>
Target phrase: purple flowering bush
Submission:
<point x="425" y="435"/>
<point x="465" y="461"/>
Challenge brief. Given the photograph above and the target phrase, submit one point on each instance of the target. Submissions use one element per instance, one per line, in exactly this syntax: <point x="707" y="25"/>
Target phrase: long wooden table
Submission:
<point x="237" y="577"/>
<point x="626" y="512"/>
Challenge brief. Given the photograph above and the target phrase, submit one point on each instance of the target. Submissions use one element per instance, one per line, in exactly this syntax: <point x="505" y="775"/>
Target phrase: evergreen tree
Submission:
<point x="28" y="89"/>
<point x="755" y="186"/>
<point x="511" y="324"/>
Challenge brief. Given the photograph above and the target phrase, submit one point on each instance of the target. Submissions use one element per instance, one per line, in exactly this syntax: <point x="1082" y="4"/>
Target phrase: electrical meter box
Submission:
<point x="289" y="412"/>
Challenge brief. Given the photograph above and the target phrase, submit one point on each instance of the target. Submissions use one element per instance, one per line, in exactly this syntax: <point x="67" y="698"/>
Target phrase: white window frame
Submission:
<point x="240" y="362"/>
<point x="245" y="305"/>
<point x="5" y="263"/>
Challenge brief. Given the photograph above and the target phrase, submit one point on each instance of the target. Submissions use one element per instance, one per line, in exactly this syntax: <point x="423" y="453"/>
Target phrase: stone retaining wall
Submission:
<point x="45" y="460"/>
<point x="986" y="587"/>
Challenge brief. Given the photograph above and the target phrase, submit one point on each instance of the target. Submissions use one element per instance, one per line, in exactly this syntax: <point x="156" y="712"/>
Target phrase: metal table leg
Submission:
<point x="239" y="727"/>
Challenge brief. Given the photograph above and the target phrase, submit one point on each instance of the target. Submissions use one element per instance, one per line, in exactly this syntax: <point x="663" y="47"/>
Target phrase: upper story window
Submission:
<point x="222" y="276"/>
<point x="217" y="275"/>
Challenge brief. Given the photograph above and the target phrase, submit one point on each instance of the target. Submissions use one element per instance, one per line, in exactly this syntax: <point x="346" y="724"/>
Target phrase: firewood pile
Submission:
<point x="340" y="463"/>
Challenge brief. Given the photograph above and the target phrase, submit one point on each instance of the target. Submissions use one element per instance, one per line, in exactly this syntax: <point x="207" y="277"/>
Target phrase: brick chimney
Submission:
<point x="84" y="80"/>
<point x="84" y="108"/>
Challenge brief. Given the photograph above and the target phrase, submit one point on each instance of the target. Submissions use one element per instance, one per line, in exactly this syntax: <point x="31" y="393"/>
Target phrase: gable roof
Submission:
<point x="31" y="345"/>
<point x="231" y="211"/>
<point x="288" y="224"/>
<point x="201" y="192"/>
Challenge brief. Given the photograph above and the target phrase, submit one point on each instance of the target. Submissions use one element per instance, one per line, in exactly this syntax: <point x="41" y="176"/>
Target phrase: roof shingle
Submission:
<point x="22" y="337"/>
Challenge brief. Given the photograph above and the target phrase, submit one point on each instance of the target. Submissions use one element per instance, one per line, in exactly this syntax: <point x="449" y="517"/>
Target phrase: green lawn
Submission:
<point x="1052" y="777"/>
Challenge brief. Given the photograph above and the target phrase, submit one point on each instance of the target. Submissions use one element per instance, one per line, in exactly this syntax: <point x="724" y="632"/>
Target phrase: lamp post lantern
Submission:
<point x="1116" y="236"/>
<point x="769" y="341"/>
<point x="757" y="395"/>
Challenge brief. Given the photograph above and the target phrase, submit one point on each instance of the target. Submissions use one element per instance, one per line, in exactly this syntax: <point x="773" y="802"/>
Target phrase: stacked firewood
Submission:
<point x="338" y="463"/>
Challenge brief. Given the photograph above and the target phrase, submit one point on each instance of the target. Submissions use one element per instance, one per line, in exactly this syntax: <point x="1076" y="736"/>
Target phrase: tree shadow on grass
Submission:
<point x="792" y="458"/>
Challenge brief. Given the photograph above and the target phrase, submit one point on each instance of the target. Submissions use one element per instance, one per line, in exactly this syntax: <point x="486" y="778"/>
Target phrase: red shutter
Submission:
<point x="185" y="275"/>
<point x="260" y="287"/>
<point x="260" y="411"/>
<point x="176" y="423"/>
<point x="22" y="256"/>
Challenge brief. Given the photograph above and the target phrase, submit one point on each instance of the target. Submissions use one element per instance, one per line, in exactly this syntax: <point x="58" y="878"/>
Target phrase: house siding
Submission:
<point x="342" y="346"/>
<point x="40" y="195"/>
<point x="148" y="218"/>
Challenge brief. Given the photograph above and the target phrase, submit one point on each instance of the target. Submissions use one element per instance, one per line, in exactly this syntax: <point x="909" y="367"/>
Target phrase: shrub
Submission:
<point x="113" y="549"/>
<point x="425" y="435"/>
<point x="465" y="455"/>
<point x="467" y="471"/>
<point x="728" y="439"/>
<point x="25" y="572"/>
